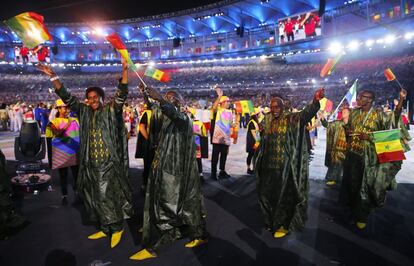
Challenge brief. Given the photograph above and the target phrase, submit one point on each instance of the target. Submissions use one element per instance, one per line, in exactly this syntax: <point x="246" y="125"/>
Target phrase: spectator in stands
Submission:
<point x="103" y="182"/>
<point x="24" y="52"/>
<point x="311" y="21"/>
<point x="289" y="26"/>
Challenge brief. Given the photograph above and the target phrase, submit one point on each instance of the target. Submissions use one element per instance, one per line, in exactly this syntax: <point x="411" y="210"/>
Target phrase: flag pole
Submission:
<point x="336" y="110"/>
<point x="142" y="81"/>
<point x="399" y="84"/>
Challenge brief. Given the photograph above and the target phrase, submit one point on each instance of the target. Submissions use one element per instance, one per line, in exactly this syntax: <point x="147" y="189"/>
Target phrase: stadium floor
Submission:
<point x="235" y="224"/>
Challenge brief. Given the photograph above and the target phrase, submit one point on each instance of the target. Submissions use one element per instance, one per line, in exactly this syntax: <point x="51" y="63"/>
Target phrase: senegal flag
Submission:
<point x="157" y="74"/>
<point x="244" y="107"/>
<point x="388" y="146"/>
<point x="117" y="43"/>
<point x="30" y="29"/>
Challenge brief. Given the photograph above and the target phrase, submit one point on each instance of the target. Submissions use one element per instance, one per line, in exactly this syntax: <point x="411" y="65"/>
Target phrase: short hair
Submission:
<point x="98" y="90"/>
<point x="370" y="92"/>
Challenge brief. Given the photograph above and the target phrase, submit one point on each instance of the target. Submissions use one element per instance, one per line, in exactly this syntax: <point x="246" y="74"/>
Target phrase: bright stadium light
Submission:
<point x="353" y="45"/>
<point x="409" y="35"/>
<point x="390" y="39"/>
<point x="369" y="43"/>
<point x="151" y="63"/>
<point x="100" y="32"/>
<point x="336" y="48"/>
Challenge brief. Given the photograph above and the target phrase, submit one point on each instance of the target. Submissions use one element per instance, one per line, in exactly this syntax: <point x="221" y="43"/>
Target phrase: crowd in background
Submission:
<point x="25" y="95"/>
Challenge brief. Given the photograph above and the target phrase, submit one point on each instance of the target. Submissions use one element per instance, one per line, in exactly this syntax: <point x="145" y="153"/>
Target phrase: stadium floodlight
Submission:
<point x="353" y="45"/>
<point x="390" y="39"/>
<point x="380" y="41"/>
<point x="369" y="43"/>
<point x="409" y="35"/>
<point x="100" y="32"/>
<point x="151" y="63"/>
<point x="313" y="81"/>
<point x="335" y="48"/>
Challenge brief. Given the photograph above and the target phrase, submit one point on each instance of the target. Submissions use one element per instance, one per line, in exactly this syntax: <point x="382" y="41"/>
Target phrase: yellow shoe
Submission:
<point x="196" y="243"/>
<point x="330" y="183"/>
<point x="115" y="238"/>
<point x="361" y="225"/>
<point x="143" y="255"/>
<point x="281" y="232"/>
<point x="97" y="235"/>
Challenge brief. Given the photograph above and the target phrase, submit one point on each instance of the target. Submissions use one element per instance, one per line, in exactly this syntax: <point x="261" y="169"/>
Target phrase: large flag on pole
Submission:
<point x="157" y="74"/>
<point x="351" y="94"/>
<point x="117" y="43"/>
<point x="388" y="146"/>
<point x="30" y="29"/>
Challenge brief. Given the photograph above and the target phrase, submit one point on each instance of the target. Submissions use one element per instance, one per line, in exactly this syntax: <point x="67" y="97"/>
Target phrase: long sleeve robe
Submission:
<point x="282" y="169"/>
<point x="173" y="204"/>
<point x="104" y="186"/>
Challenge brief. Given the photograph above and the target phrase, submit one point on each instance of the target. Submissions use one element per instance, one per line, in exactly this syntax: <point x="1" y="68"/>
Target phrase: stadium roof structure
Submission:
<point x="221" y="17"/>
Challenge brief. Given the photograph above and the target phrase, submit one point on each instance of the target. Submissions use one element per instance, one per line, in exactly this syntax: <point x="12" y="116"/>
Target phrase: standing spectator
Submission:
<point x="24" y="52"/>
<point x="65" y="145"/>
<point x="289" y="26"/>
<point x="222" y="124"/>
<point x="310" y="22"/>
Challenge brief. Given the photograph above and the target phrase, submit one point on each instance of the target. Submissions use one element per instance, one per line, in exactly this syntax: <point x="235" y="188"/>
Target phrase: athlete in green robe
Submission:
<point x="103" y="181"/>
<point x="282" y="166"/>
<point x="366" y="181"/>
<point x="335" y="147"/>
<point x="174" y="206"/>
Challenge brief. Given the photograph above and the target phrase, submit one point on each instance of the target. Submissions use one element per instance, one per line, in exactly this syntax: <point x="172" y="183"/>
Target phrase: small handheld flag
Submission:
<point x="157" y="74"/>
<point x="351" y="94"/>
<point x="388" y="146"/>
<point x="117" y="43"/>
<point x="244" y="107"/>
<point x="389" y="75"/>
<point x="30" y="29"/>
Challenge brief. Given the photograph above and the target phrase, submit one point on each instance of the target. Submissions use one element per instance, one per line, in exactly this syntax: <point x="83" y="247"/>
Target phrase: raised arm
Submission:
<point x="122" y="92"/>
<point x="311" y="110"/>
<point x="217" y="101"/>
<point x="167" y="108"/>
<point x="60" y="89"/>
<point x="397" y="111"/>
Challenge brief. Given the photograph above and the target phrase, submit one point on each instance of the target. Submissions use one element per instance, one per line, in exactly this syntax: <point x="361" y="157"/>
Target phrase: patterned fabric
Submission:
<point x="99" y="154"/>
<point x="277" y="131"/>
<point x="222" y="128"/>
<point x="363" y="122"/>
<point x="65" y="146"/>
<point x="199" y="131"/>
<point x="281" y="165"/>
